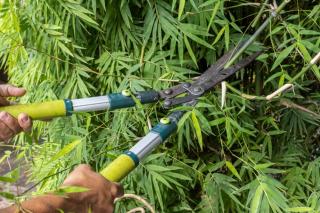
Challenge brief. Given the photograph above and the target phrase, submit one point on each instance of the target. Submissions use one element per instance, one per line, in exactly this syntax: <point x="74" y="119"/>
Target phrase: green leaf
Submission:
<point x="256" y="201"/>
<point x="263" y="166"/>
<point x="276" y="132"/>
<point x="233" y="169"/>
<point x="7" y="195"/>
<point x="161" y="179"/>
<point x="156" y="168"/>
<point x="198" y="40"/>
<point x="213" y="14"/>
<point x="193" y="57"/>
<point x="63" y="190"/>
<point x="283" y="55"/>
<point x="300" y="209"/>
<point x="197" y="127"/>
<point x="67" y="149"/>
<point x="217" y="122"/>
<point x="7" y="179"/>
<point x="181" y="8"/>
<point x="64" y="48"/>
<point x="85" y="17"/>
<point x="178" y="176"/>
<point x="307" y="58"/>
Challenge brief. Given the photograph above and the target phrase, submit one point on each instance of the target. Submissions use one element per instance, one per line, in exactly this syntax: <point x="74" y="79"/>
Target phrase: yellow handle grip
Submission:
<point x="119" y="168"/>
<point x="38" y="111"/>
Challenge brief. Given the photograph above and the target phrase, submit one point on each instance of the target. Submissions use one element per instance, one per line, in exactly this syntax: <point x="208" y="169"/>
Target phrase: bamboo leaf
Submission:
<point x="300" y="209"/>
<point x="217" y="122"/>
<point x="7" y="179"/>
<point x="66" y="150"/>
<point x="193" y="57"/>
<point x="256" y="201"/>
<point x="181" y="8"/>
<point x="63" y="190"/>
<point x="283" y="55"/>
<point x="233" y="169"/>
<point x="7" y="195"/>
<point x="263" y="166"/>
<point x="64" y="48"/>
<point x="197" y="127"/>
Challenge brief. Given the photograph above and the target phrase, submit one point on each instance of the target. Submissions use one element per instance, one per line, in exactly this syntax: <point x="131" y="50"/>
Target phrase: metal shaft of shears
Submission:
<point x="126" y="162"/>
<point x="60" y="108"/>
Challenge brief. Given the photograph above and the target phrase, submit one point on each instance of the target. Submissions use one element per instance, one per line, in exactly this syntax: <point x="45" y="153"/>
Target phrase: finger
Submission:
<point x="116" y="190"/>
<point x="7" y="90"/>
<point x="4" y="102"/>
<point x="11" y="122"/>
<point x="25" y="122"/>
<point x="83" y="168"/>
<point x="106" y="208"/>
<point x="78" y="175"/>
<point x="5" y="133"/>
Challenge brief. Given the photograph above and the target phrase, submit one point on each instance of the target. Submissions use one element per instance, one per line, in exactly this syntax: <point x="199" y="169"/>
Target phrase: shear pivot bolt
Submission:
<point x="165" y="120"/>
<point x="167" y="103"/>
<point x="126" y="93"/>
<point x="197" y="89"/>
<point x="168" y="91"/>
<point x="186" y="85"/>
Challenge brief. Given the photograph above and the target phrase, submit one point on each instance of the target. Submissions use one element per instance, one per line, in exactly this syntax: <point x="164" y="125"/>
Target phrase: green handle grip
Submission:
<point x="38" y="111"/>
<point x="119" y="168"/>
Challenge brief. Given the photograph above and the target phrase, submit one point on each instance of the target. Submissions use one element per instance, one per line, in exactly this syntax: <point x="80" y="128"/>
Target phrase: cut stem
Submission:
<point x="304" y="70"/>
<point x="255" y="35"/>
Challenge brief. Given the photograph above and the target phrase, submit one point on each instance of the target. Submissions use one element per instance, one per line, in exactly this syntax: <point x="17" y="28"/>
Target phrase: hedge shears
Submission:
<point x="184" y="93"/>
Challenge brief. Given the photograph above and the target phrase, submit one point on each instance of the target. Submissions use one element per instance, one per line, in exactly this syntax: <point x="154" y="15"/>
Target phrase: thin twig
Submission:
<point x="278" y="91"/>
<point x="138" y="198"/>
<point x="290" y="104"/>
<point x="138" y="209"/>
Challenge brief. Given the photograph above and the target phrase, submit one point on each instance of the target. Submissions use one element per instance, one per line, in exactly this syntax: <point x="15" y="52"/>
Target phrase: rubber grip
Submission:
<point x="38" y="111"/>
<point x="119" y="168"/>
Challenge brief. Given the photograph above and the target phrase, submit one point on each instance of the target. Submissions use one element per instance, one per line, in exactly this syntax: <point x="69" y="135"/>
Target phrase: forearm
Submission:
<point x="41" y="204"/>
<point x="99" y="198"/>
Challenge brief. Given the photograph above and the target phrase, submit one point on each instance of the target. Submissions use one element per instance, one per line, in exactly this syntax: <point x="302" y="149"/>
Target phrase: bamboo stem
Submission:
<point x="251" y="40"/>
<point x="278" y="91"/>
<point x="304" y="70"/>
<point x="138" y="198"/>
<point x="256" y="20"/>
<point x="255" y="35"/>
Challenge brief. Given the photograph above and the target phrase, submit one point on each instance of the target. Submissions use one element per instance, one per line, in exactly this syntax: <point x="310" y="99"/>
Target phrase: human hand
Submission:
<point x="100" y="196"/>
<point x="10" y="126"/>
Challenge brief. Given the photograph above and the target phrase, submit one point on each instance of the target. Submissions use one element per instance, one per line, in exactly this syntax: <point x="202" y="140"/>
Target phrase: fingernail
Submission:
<point x="24" y="119"/>
<point x="3" y="115"/>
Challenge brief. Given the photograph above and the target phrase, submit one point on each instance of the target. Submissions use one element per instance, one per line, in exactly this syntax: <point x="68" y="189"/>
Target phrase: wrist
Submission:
<point x="41" y="204"/>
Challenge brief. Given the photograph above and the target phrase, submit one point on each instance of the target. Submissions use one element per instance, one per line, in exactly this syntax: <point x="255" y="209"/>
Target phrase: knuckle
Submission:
<point x="3" y="115"/>
<point x="116" y="190"/>
<point x="83" y="167"/>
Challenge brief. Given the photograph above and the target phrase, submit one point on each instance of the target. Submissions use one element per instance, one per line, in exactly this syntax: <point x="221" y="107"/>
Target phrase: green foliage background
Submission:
<point x="252" y="155"/>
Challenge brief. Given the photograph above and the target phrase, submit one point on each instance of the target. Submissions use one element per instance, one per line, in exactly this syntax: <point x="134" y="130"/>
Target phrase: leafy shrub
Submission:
<point x="252" y="154"/>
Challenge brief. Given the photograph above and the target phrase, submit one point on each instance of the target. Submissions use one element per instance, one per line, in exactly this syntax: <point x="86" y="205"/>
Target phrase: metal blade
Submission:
<point x="223" y="74"/>
<point x="218" y="66"/>
<point x="211" y="77"/>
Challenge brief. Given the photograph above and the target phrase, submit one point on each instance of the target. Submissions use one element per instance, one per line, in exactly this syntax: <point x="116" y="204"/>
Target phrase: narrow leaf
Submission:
<point x="181" y="8"/>
<point x="283" y="55"/>
<point x="256" y="201"/>
<point x="67" y="149"/>
<point x="196" y="125"/>
<point x="233" y="169"/>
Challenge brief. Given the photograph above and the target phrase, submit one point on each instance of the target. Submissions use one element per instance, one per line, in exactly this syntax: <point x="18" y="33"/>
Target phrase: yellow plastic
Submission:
<point x="119" y="168"/>
<point x="38" y="111"/>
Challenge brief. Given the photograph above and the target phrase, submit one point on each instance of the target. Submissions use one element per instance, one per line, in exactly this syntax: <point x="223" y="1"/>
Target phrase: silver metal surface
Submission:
<point x="91" y="104"/>
<point x="146" y="145"/>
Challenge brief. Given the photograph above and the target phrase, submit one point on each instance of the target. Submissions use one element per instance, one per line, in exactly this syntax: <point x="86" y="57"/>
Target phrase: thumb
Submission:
<point x="116" y="190"/>
<point x="7" y="90"/>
